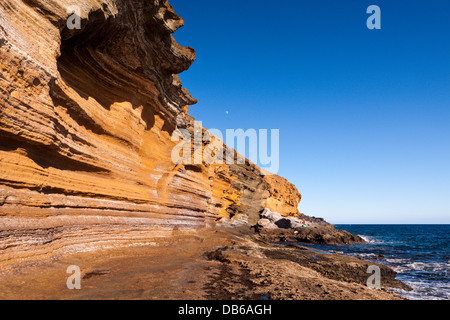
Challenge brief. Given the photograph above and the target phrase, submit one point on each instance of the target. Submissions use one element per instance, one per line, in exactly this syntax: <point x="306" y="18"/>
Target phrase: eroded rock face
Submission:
<point x="86" y="118"/>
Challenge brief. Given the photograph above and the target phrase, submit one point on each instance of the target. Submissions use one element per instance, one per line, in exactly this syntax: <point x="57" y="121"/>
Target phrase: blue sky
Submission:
<point x="364" y="115"/>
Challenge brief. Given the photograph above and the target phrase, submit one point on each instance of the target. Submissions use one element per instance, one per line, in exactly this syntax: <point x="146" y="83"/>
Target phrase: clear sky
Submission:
<point x="364" y="115"/>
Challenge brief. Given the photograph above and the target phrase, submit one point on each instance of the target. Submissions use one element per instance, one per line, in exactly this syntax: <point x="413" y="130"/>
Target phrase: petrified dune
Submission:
<point x="86" y="118"/>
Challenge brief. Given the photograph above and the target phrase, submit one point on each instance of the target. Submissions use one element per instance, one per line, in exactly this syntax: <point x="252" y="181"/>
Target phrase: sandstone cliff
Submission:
<point x="86" y="118"/>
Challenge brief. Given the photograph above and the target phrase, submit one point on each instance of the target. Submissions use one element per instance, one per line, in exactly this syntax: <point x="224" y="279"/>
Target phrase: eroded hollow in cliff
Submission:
<point x="100" y="62"/>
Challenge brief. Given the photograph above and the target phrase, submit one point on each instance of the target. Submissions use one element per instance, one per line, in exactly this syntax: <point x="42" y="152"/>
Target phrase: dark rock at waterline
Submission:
<point x="320" y="234"/>
<point x="335" y="266"/>
<point x="284" y="223"/>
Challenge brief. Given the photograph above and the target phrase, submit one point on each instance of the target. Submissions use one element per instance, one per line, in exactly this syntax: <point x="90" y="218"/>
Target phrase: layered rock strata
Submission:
<point x="86" y="119"/>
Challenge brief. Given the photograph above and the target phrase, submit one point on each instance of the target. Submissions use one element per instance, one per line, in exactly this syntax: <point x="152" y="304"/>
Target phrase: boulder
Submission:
<point x="284" y="223"/>
<point x="271" y="216"/>
<point x="295" y="223"/>
<point x="265" y="223"/>
<point x="276" y="220"/>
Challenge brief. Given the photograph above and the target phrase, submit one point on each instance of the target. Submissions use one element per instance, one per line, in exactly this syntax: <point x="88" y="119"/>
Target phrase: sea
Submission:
<point x="420" y="254"/>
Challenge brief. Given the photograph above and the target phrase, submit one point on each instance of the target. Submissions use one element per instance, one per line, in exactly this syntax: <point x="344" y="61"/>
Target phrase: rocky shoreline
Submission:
<point x="292" y="264"/>
<point x="222" y="263"/>
<point x="295" y="273"/>
<point x="316" y="234"/>
<point x="88" y="117"/>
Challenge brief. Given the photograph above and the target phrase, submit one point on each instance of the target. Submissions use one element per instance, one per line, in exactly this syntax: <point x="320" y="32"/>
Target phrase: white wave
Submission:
<point x="374" y="240"/>
<point x="426" y="291"/>
<point x="406" y="265"/>
<point x="367" y="255"/>
<point x="429" y="266"/>
<point x="368" y="239"/>
<point x="401" y="261"/>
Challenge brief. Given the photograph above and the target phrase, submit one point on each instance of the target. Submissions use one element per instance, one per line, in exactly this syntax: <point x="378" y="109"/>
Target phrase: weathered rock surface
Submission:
<point x="273" y="227"/>
<point x="252" y="271"/>
<point x="205" y="264"/>
<point x="86" y="118"/>
<point x="318" y="234"/>
<point x="274" y="220"/>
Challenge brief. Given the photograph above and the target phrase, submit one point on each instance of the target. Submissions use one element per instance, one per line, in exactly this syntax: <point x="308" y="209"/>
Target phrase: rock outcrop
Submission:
<point x="274" y="220"/>
<point x="86" y="119"/>
<point x="317" y="234"/>
<point x="273" y="227"/>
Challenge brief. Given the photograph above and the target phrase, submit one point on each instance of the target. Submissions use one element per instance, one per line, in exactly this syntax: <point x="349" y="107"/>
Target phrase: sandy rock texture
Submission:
<point x="198" y="265"/>
<point x="86" y="119"/>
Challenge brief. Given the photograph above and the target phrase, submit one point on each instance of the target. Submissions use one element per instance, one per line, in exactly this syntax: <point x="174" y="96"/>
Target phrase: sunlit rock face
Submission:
<point x="86" y="120"/>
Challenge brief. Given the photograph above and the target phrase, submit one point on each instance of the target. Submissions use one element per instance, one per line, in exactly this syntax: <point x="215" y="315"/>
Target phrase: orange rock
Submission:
<point x="86" y="118"/>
